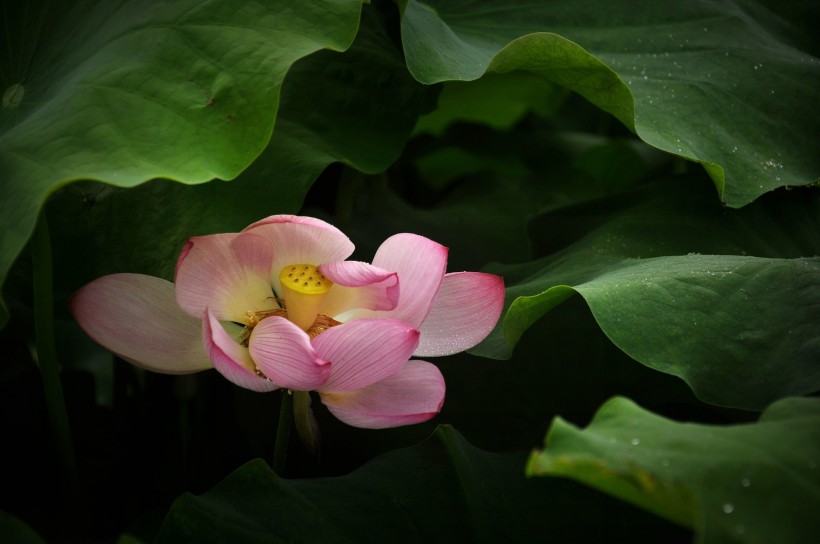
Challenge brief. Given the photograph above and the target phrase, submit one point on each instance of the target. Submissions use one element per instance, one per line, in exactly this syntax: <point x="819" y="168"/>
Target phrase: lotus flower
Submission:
<point x="276" y="305"/>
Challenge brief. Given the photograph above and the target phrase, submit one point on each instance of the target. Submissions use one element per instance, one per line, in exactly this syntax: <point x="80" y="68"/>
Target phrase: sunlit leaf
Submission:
<point x="127" y="91"/>
<point x="326" y="115"/>
<point x="755" y="482"/>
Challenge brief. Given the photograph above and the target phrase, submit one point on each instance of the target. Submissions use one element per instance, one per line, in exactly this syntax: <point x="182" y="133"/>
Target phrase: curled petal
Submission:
<point x="412" y="395"/>
<point x="465" y="310"/>
<point x="359" y="285"/>
<point x="365" y="351"/>
<point x="300" y="240"/>
<point x="420" y="263"/>
<point x="232" y="360"/>
<point x="136" y="317"/>
<point x="283" y="353"/>
<point x="227" y="273"/>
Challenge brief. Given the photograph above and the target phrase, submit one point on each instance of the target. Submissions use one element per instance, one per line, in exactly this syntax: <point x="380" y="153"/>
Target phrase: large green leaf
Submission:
<point x="724" y="299"/>
<point x="99" y="229"/>
<point x="444" y="490"/>
<point x="722" y="83"/>
<point x="127" y="91"/>
<point x="755" y="482"/>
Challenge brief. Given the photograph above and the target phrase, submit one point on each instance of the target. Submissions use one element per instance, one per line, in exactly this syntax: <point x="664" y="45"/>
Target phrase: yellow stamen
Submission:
<point x="321" y="324"/>
<point x="303" y="288"/>
<point x="253" y="319"/>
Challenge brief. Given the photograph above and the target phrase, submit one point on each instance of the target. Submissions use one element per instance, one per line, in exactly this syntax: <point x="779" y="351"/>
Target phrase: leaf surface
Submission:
<point x="442" y="490"/>
<point x="725" y="299"/>
<point x="726" y="84"/>
<point x="756" y="482"/>
<point x="124" y="92"/>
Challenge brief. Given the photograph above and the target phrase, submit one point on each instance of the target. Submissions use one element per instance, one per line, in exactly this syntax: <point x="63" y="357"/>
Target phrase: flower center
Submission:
<point x="303" y="288"/>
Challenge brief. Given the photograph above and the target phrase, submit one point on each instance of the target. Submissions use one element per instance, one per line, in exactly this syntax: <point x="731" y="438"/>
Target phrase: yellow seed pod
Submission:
<point x="304" y="289"/>
<point x="305" y="279"/>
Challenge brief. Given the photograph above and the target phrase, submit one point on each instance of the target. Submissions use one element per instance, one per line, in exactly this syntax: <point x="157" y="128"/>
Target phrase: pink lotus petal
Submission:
<point x="359" y="285"/>
<point x="412" y="395"/>
<point x="421" y="264"/>
<point x="136" y="317"/>
<point x="233" y="361"/>
<point x="301" y="240"/>
<point x="464" y="312"/>
<point x="283" y="352"/>
<point x="365" y="351"/>
<point x="228" y="273"/>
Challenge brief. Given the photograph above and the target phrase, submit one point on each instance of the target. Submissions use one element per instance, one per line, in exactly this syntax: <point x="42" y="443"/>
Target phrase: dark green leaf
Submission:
<point x="721" y="298"/>
<point x="755" y="482"/>
<point x="724" y="84"/>
<point x="17" y="531"/>
<point x="498" y="100"/>
<point x="444" y="490"/>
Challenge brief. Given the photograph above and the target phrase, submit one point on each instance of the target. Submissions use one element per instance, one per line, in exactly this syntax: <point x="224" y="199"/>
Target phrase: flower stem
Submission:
<point x="306" y="427"/>
<point x="47" y="356"/>
<point x="349" y="184"/>
<point x="283" y="431"/>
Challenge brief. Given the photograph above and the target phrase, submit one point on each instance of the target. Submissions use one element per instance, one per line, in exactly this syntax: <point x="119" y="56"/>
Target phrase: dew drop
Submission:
<point x="728" y="508"/>
<point x="635" y="441"/>
<point x="740" y="528"/>
<point x="746" y="482"/>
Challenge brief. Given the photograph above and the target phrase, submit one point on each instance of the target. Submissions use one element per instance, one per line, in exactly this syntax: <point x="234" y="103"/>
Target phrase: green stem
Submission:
<point x="349" y="184"/>
<point x="306" y="427"/>
<point x="47" y="355"/>
<point x="283" y="431"/>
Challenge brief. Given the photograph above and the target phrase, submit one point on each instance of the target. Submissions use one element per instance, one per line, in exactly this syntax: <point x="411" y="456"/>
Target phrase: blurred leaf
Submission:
<point x="672" y="281"/>
<point x="443" y="490"/>
<point x="127" y="91"/>
<point x="357" y="108"/>
<point x="475" y="189"/>
<point x="17" y="531"/>
<point x="441" y="166"/>
<point x="755" y="482"/>
<point x="724" y="84"/>
<point x="481" y="222"/>
<point x="497" y="100"/>
<point x="127" y="538"/>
